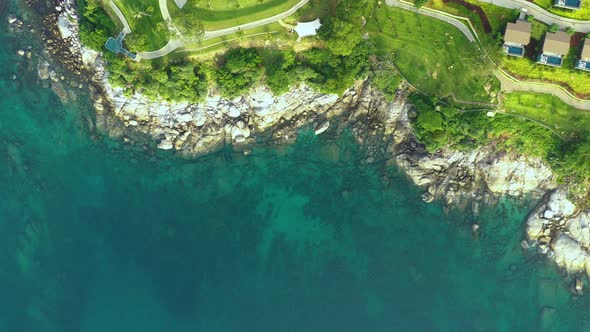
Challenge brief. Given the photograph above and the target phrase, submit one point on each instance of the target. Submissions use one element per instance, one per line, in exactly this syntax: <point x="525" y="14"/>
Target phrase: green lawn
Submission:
<point x="581" y="14"/>
<point x="551" y="111"/>
<point x="434" y="56"/>
<point x="497" y="16"/>
<point x="148" y="28"/>
<point x="220" y="14"/>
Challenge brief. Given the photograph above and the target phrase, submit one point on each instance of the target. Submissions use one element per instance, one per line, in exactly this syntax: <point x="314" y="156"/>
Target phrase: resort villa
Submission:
<point x="555" y="47"/>
<point x="584" y="62"/>
<point x="568" y="4"/>
<point x="516" y="37"/>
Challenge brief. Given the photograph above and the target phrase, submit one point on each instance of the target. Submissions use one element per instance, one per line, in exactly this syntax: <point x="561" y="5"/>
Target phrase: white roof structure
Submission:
<point x="307" y="28"/>
<point x="180" y="3"/>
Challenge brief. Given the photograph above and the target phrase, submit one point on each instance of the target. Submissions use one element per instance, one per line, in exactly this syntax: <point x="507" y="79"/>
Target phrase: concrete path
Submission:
<point x="126" y="28"/>
<point x="542" y="14"/>
<point x="510" y="84"/>
<point x="435" y="14"/>
<point x="175" y="44"/>
<point x="164" y="11"/>
<point x="171" y="46"/>
<point x="255" y="24"/>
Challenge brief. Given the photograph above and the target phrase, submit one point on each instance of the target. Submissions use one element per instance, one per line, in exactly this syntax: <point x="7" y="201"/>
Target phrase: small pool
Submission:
<point x="550" y="60"/>
<point x="583" y="65"/>
<point x="514" y="50"/>
<point x="575" y="4"/>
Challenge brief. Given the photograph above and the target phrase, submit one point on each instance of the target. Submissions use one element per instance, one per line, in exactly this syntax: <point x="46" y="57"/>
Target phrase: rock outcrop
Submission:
<point x="561" y="231"/>
<point x="482" y="174"/>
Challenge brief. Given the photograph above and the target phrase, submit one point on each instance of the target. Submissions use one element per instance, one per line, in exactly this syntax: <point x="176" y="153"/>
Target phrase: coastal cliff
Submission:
<point x="466" y="180"/>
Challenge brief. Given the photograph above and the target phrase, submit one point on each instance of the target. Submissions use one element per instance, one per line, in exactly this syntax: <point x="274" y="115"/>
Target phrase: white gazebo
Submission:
<point x="307" y="28"/>
<point x="180" y="3"/>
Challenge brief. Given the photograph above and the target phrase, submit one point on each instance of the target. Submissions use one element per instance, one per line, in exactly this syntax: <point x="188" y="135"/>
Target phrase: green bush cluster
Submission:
<point x="95" y="25"/>
<point x="185" y="81"/>
<point x="387" y="80"/>
<point x="445" y="126"/>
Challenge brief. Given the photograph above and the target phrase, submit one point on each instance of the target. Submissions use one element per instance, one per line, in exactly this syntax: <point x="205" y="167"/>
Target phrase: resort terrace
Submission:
<point x="568" y="4"/>
<point x="584" y="62"/>
<point x="555" y="47"/>
<point x="516" y="37"/>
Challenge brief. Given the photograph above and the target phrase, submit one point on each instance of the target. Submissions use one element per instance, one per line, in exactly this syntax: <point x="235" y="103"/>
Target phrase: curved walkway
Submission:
<point x="255" y="24"/>
<point x="542" y="14"/>
<point x="126" y="28"/>
<point x="510" y="84"/>
<point x="435" y="14"/>
<point x="171" y="46"/>
<point x="175" y="43"/>
<point x="164" y="10"/>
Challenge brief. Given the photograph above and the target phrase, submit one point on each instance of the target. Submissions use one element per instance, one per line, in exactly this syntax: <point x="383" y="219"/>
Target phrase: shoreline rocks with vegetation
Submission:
<point x="466" y="178"/>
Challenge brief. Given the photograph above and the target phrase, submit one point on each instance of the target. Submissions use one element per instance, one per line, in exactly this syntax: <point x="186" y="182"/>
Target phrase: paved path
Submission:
<point x="126" y="28"/>
<point x="171" y="46"/>
<point x="175" y="44"/>
<point x="435" y="14"/>
<point x="164" y="11"/>
<point x="255" y="24"/>
<point x="542" y="14"/>
<point x="510" y="84"/>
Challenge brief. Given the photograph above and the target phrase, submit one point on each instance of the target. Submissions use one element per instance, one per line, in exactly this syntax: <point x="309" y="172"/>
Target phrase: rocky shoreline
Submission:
<point x="466" y="180"/>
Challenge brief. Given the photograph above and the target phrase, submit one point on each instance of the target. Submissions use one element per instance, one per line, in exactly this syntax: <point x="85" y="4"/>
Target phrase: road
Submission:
<point x="510" y="84"/>
<point x="428" y="12"/>
<point x="542" y="14"/>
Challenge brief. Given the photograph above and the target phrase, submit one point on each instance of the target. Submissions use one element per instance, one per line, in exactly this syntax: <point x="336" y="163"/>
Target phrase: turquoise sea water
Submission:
<point x="97" y="236"/>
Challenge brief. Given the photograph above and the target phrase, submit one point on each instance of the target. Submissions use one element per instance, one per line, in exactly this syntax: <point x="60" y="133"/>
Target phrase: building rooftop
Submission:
<point x="307" y="28"/>
<point x="586" y="49"/>
<point x="180" y="3"/>
<point x="556" y="43"/>
<point x="518" y="33"/>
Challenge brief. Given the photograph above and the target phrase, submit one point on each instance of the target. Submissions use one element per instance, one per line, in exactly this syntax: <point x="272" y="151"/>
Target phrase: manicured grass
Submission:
<point x="312" y="10"/>
<point x="575" y="80"/>
<point x="549" y="110"/>
<point x="434" y="56"/>
<point x="498" y="16"/>
<point x="148" y="28"/>
<point x="224" y="13"/>
<point x="582" y="14"/>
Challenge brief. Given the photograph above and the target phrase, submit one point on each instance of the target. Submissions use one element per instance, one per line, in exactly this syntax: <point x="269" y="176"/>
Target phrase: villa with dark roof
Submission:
<point x="568" y="4"/>
<point x="555" y="48"/>
<point x="516" y="37"/>
<point x="584" y="62"/>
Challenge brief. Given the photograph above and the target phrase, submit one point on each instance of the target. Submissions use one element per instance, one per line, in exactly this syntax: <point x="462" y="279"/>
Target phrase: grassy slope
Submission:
<point x="224" y="14"/>
<point x="433" y="55"/>
<point x="143" y="17"/>
<point x="549" y="110"/>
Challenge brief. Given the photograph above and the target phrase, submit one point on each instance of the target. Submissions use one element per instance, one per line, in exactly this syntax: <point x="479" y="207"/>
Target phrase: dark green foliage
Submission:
<point x="570" y="31"/>
<point x="420" y="3"/>
<point x="439" y="127"/>
<point x="343" y="32"/>
<point x="553" y="27"/>
<point x="174" y="82"/>
<point x="238" y="72"/>
<point x="530" y="18"/>
<point x="95" y="25"/>
<point x="446" y="126"/>
<point x="337" y="73"/>
<point x="387" y="80"/>
<point x="281" y="69"/>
